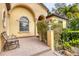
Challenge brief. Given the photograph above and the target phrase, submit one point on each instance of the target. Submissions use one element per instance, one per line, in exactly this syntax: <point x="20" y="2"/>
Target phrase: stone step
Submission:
<point x="40" y="52"/>
<point x="47" y="53"/>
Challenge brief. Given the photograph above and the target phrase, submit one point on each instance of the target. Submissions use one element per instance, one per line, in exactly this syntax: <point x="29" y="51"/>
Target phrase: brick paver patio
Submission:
<point x="28" y="47"/>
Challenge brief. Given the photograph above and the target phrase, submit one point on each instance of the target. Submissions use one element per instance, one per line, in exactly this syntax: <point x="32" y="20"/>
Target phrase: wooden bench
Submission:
<point x="10" y="41"/>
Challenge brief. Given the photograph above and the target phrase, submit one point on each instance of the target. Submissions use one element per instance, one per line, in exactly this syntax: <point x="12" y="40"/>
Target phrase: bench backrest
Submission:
<point x="4" y="35"/>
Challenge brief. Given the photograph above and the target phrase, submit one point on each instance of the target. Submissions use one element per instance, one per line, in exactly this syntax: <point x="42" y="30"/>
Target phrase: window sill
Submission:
<point x="23" y="32"/>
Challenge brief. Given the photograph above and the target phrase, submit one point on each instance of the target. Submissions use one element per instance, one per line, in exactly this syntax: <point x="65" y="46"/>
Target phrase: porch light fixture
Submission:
<point x="49" y="25"/>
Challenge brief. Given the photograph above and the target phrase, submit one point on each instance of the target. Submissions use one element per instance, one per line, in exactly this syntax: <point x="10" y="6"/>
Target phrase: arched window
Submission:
<point x="24" y="24"/>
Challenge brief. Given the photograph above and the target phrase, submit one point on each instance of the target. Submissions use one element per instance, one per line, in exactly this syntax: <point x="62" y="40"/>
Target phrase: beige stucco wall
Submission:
<point x="2" y="9"/>
<point x="36" y="8"/>
<point x="17" y="12"/>
<point x="15" y="16"/>
<point x="58" y="19"/>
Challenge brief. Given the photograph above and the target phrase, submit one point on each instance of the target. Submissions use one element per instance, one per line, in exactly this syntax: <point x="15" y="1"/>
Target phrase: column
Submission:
<point x="50" y="39"/>
<point x="50" y="36"/>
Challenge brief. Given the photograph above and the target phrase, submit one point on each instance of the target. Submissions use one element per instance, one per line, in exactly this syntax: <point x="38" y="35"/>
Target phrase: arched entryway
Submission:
<point x="15" y="16"/>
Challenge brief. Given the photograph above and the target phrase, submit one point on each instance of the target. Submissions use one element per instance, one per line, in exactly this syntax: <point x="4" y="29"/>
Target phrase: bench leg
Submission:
<point x="17" y="43"/>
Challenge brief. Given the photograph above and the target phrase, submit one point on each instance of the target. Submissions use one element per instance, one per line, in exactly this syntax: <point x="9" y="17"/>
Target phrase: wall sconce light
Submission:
<point x="49" y="25"/>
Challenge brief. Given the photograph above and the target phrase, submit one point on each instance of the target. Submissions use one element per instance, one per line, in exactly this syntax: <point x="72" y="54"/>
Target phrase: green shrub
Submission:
<point x="65" y="36"/>
<point x="73" y="24"/>
<point x="77" y="41"/>
<point x="57" y="37"/>
<point x="42" y="29"/>
<point x="66" y="45"/>
<point x="70" y="36"/>
<point x="74" y="42"/>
